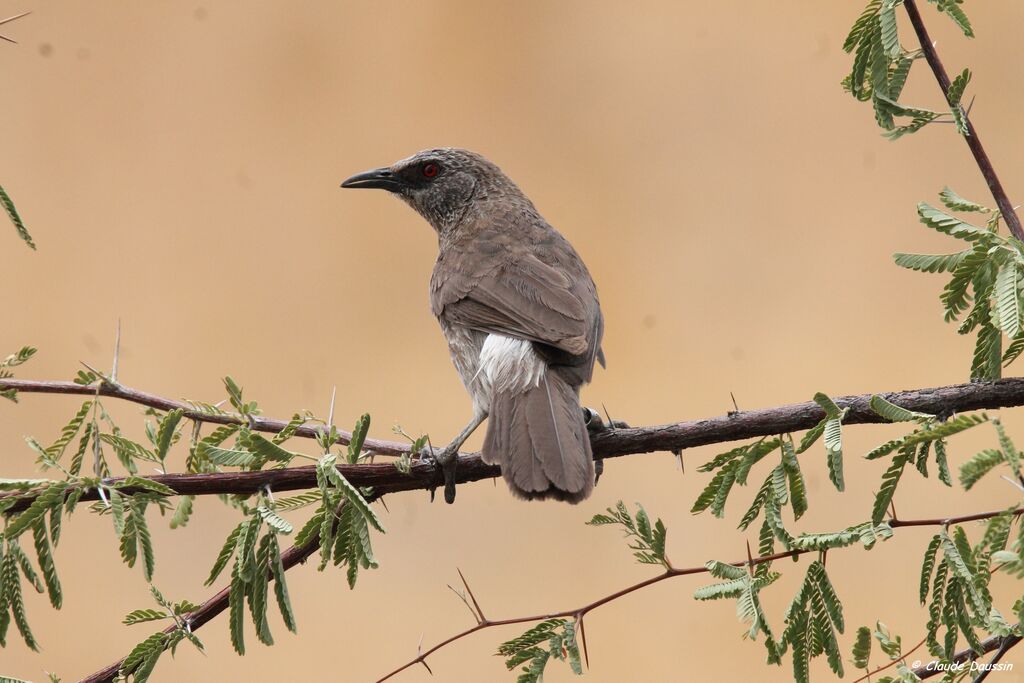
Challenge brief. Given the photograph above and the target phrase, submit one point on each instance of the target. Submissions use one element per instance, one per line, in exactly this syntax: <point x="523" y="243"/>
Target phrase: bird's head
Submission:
<point x="440" y="184"/>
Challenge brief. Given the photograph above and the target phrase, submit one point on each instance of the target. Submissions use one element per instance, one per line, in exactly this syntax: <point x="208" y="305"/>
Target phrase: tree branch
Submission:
<point x="973" y="142"/>
<point x="610" y="443"/>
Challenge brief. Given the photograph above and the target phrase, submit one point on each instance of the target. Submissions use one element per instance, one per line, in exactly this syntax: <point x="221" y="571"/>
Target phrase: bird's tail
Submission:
<point x="539" y="439"/>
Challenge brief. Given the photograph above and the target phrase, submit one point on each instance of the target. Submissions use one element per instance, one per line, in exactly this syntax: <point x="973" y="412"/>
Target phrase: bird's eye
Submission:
<point x="430" y="170"/>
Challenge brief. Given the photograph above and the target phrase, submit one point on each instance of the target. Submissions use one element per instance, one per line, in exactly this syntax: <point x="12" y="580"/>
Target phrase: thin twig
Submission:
<point x="904" y="655"/>
<point x="672" y="572"/>
<point x="980" y="156"/>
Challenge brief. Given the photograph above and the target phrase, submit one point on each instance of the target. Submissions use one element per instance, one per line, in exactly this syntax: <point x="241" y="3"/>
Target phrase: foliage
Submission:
<point x="141" y="661"/>
<point x="12" y="213"/>
<point x="553" y="638"/>
<point x="37" y="507"/>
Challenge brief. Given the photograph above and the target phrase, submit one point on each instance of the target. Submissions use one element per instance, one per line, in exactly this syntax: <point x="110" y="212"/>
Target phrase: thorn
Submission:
<point x="471" y="596"/>
<point x="736" y="408"/>
<point x="117" y="352"/>
<point x="750" y="558"/>
<point x="424" y="663"/>
<point x="330" y="414"/>
<point x="970" y="106"/>
<point x="679" y="459"/>
<point x="419" y="645"/>
<point x="1013" y="482"/>
<point x="611" y="423"/>
<point x="465" y="602"/>
<point x="100" y="375"/>
<point x="381" y="500"/>
<point x="270" y="494"/>
<point x="583" y="637"/>
<point x="892" y="508"/>
<point x="16" y="16"/>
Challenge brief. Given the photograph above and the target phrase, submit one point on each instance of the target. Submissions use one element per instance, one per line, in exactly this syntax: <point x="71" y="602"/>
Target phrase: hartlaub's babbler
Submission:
<point x="520" y="313"/>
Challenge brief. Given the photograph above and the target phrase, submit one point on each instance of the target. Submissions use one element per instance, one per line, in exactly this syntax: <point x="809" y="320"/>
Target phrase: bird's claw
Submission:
<point x="447" y="459"/>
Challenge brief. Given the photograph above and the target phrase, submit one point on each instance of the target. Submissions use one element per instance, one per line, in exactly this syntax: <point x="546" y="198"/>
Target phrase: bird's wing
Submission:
<point x="524" y="298"/>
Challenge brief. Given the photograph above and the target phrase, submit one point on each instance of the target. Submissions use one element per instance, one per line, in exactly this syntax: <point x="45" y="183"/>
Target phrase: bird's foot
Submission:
<point x="448" y="459"/>
<point x="595" y="423"/>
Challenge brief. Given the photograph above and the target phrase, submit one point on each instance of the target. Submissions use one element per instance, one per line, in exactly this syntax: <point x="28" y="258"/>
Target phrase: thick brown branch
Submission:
<point x="385" y="478"/>
<point x="973" y="142"/>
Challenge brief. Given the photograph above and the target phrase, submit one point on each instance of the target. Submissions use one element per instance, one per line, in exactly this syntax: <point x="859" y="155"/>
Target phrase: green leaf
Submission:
<point x="225" y="456"/>
<point x="258" y="592"/>
<point x="956" y="13"/>
<point x="280" y="586"/>
<point x="955" y="202"/>
<point x="182" y="512"/>
<point x="862" y="24"/>
<point x="894" y="413"/>
<point x="69" y="431"/>
<point x="950" y="225"/>
<point x="274" y="520"/>
<point x="236" y="610"/>
<point x="957" y="554"/>
<point x="165" y="434"/>
<point x="266" y="449"/>
<point x="297" y="502"/>
<point x="355" y="445"/>
<point x="44" y="554"/>
<point x="889" y="34"/>
<point x="927" y="565"/>
<point x="50" y="496"/>
<point x="226" y="551"/>
<point x="140" y="616"/>
<point x="145" y="541"/>
<point x="797" y="487"/>
<point x="955" y="94"/>
<point x="143" y="657"/>
<point x="931" y="263"/>
<point x="352" y="494"/>
<point x="135" y="482"/>
<point x="1007" y="283"/>
<point x="14" y="599"/>
<point x="12" y="213"/>
<point x="862" y="648"/>
<point x="986" y="363"/>
<point x="724" y="570"/>
<point x="890" y="480"/>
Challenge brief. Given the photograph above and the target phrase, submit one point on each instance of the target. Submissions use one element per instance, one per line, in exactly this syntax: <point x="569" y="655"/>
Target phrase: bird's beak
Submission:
<point x="378" y="178"/>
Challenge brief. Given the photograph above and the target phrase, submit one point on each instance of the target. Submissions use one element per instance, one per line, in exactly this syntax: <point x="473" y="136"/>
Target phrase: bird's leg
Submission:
<point x="448" y="457"/>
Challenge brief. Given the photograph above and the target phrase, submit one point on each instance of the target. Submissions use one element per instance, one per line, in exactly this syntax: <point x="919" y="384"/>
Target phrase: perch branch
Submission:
<point x="610" y="443"/>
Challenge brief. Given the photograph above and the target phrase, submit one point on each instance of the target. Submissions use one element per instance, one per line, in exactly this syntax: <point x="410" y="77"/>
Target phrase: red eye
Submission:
<point x="430" y="170"/>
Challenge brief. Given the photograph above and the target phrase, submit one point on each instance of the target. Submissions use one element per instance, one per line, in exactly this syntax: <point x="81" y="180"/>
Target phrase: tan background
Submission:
<point x="178" y="166"/>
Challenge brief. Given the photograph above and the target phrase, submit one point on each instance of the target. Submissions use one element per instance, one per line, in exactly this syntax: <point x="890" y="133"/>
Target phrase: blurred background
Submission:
<point x="178" y="165"/>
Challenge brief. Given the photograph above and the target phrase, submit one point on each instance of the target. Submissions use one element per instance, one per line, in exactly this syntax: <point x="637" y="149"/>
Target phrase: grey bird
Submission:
<point x="520" y="313"/>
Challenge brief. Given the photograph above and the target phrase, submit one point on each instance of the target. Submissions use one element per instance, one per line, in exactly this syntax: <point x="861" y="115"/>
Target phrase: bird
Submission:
<point x="520" y="313"/>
